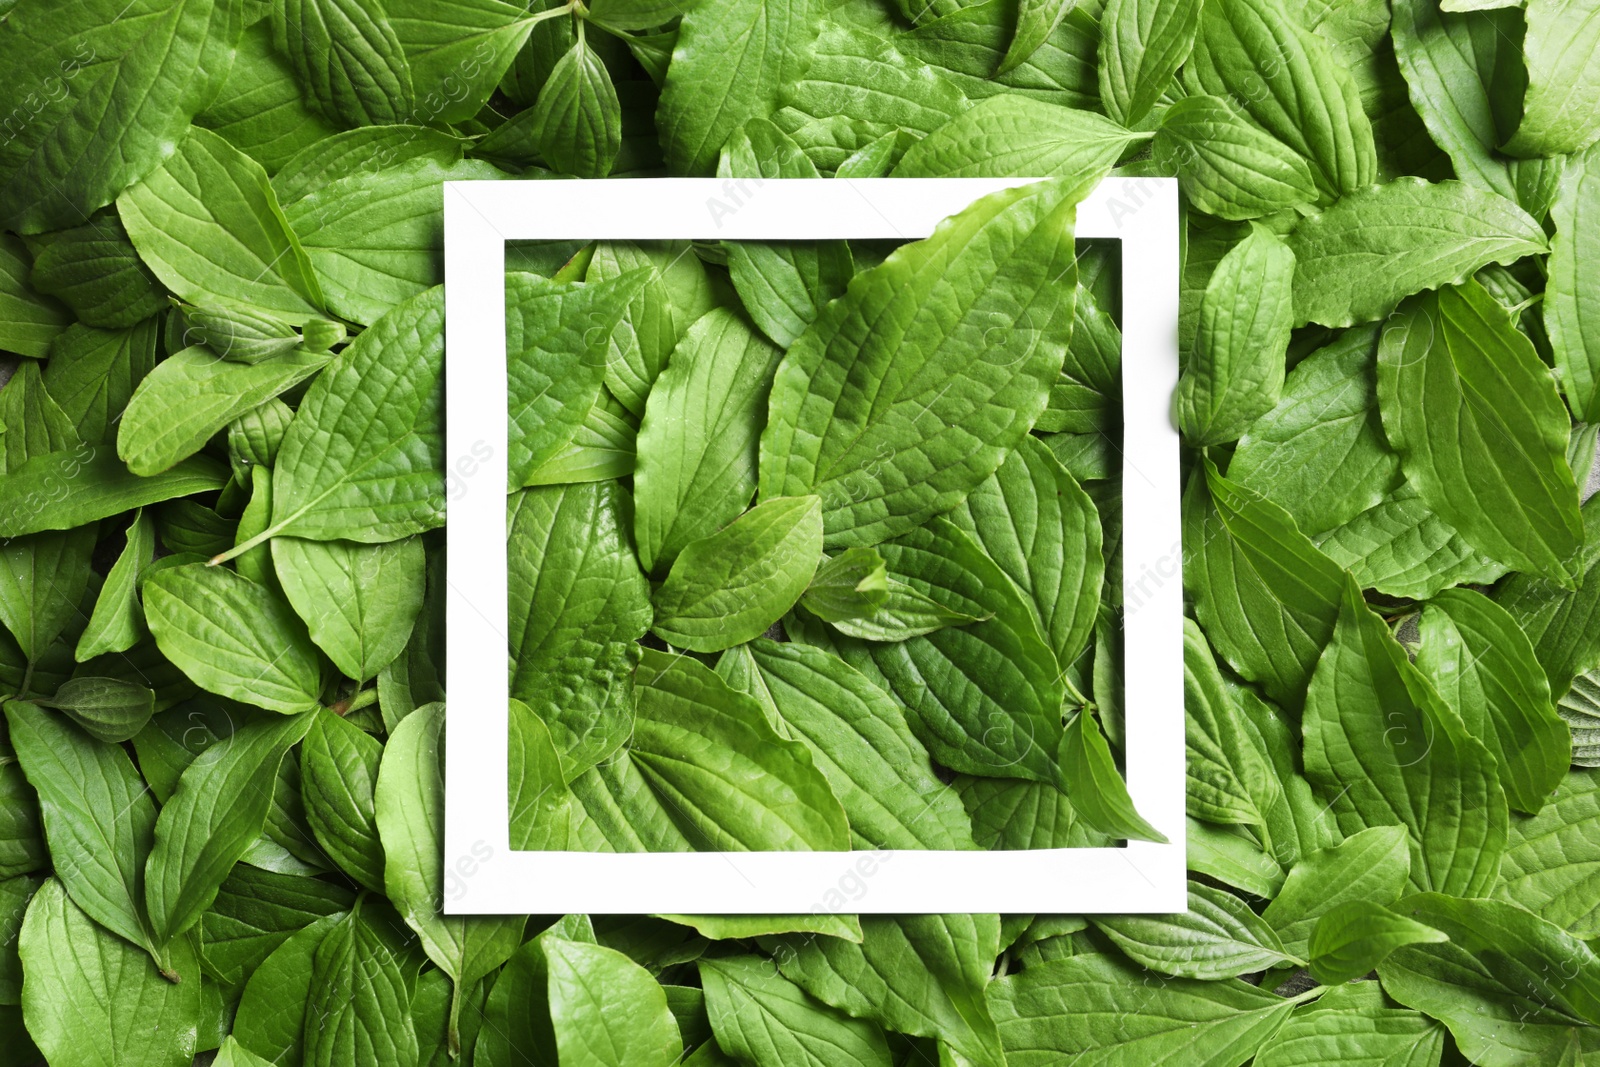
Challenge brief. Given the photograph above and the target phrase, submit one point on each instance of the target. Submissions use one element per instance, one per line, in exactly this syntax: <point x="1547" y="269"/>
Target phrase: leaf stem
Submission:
<point x="1073" y="694"/>
<point x="243" y="546"/>
<point x="453" y="1030"/>
<point x="565" y="9"/>
<point x="1311" y="994"/>
<point x="355" y="702"/>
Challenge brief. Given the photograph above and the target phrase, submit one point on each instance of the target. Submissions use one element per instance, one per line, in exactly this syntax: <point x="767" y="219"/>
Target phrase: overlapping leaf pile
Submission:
<point x="220" y="786"/>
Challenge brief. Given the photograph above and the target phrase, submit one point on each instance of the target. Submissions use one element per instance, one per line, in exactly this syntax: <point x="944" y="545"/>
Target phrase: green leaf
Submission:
<point x="516" y="1035"/>
<point x="851" y="585"/>
<point x="209" y="226"/>
<point x="113" y="96"/>
<point x="728" y="65"/>
<point x="635" y="14"/>
<point x="985" y="698"/>
<point x="15" y="893"/>
<point x="1580" y="707"/>
<point x="1354" y="1026"/>
<point x="577" y="603"/>
<point x="95" y="271"/>
<point x="372" y="228"/>
<point x="967" y="46"/>
<point x="410" y="816"/>
<point x="91" y="999"/>
<point x="898" y="425"/>
<point x="1553" y="859"/>
<point x="117" y="623"/>
<point x="1362" y="256"/>
<point x="243" y="335"/>
<point x="1100" y="1010"/>
<point x="233" y="637"/>
<point x="1087" y="397"/>
<point x="1009" y="813"/>
<point x="92" y="373"/>
<point x="1400" y="547"/>
<point x="255" y="912"/>
<point x="98" y="816"/>
<point x="358" y="602"/>
<point x="29" y="320"/>
<point x="1217" y="937"/>
<point x="1036" y="21"/>
<point x="369" y="149"/>
<point x="868" y="604"/>
<point x="360" y="1003"/>
<point x="233" y="1054"/>
<point x="1321" y="454"/>
<point x="543" y="811"/>
<point x="272" y="1011"/>
<point x="831" y="118"/>
<point x="1096" y="789"/>
<point x="1513" y="989"/>
<point x="260" y="110"/>
<point x="783" y="284"/>
<point x="192" y="394"/>
<point x="606" y="1010"/>
<point x="726" y="589"/>
<point x="43" y="577"/>
<point x="219" y="809"/>
<point x="653" y="324"/>
<point x="460" y="46"/>
<point x="1561" y="110"/>
<point x="1354" y="937"/>
<point x="1142" y="45"/>
<point x="338" y="775"/>
<point x="577" y="118"/>
<point x="1229" y="771"/>
<point x="725" y="775"/>
<point x="1481" y="433"/>
<point x="859" y="740"/>
<point x="1288" y="80"/>
<point x="764" y="1019"/>
<point x="1266" y="597"/>
<point x="602" y="449"/>
<point x="37" y="423"/>
<point x="557" y="336"/>
<point x="1226" y="165"/>
<point x="1034" y="520"/>
<point x="1467" y="80"/>
<point x="623" y="813"/>
<point x="360" y="461"/>
<point x="108" y="709"/>
<point x="22" y="847"/>
<point x="1558" y="619"/>
<point x="347" y="59"/>
<point x="919" y="974"/>
<point x="1235" y="372"/>
<point x="1013" y="135"/>
<point x="1571" y="307"/>
<point x="1389" y="751"/>
<point x="1370" y="865"/>
<point x="1484" y="667"/>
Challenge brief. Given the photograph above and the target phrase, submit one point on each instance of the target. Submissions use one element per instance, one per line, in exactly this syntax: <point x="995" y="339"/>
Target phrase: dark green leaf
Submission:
<point x="1389" y="751"/>
<point x="728" y="588"/>
<point x="887" y="446"/>
<point x="233" y="637"/>
<point x="1483" y="666"/>
<point x="1354" y="937"/>
<point x="1481" y="432"/>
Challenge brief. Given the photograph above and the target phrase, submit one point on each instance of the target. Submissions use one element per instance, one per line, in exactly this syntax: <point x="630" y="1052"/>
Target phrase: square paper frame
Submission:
<point x="483" y="875"/>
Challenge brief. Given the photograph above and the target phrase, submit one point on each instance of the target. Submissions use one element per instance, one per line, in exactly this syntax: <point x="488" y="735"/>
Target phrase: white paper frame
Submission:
<point x="483" y="875"/>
